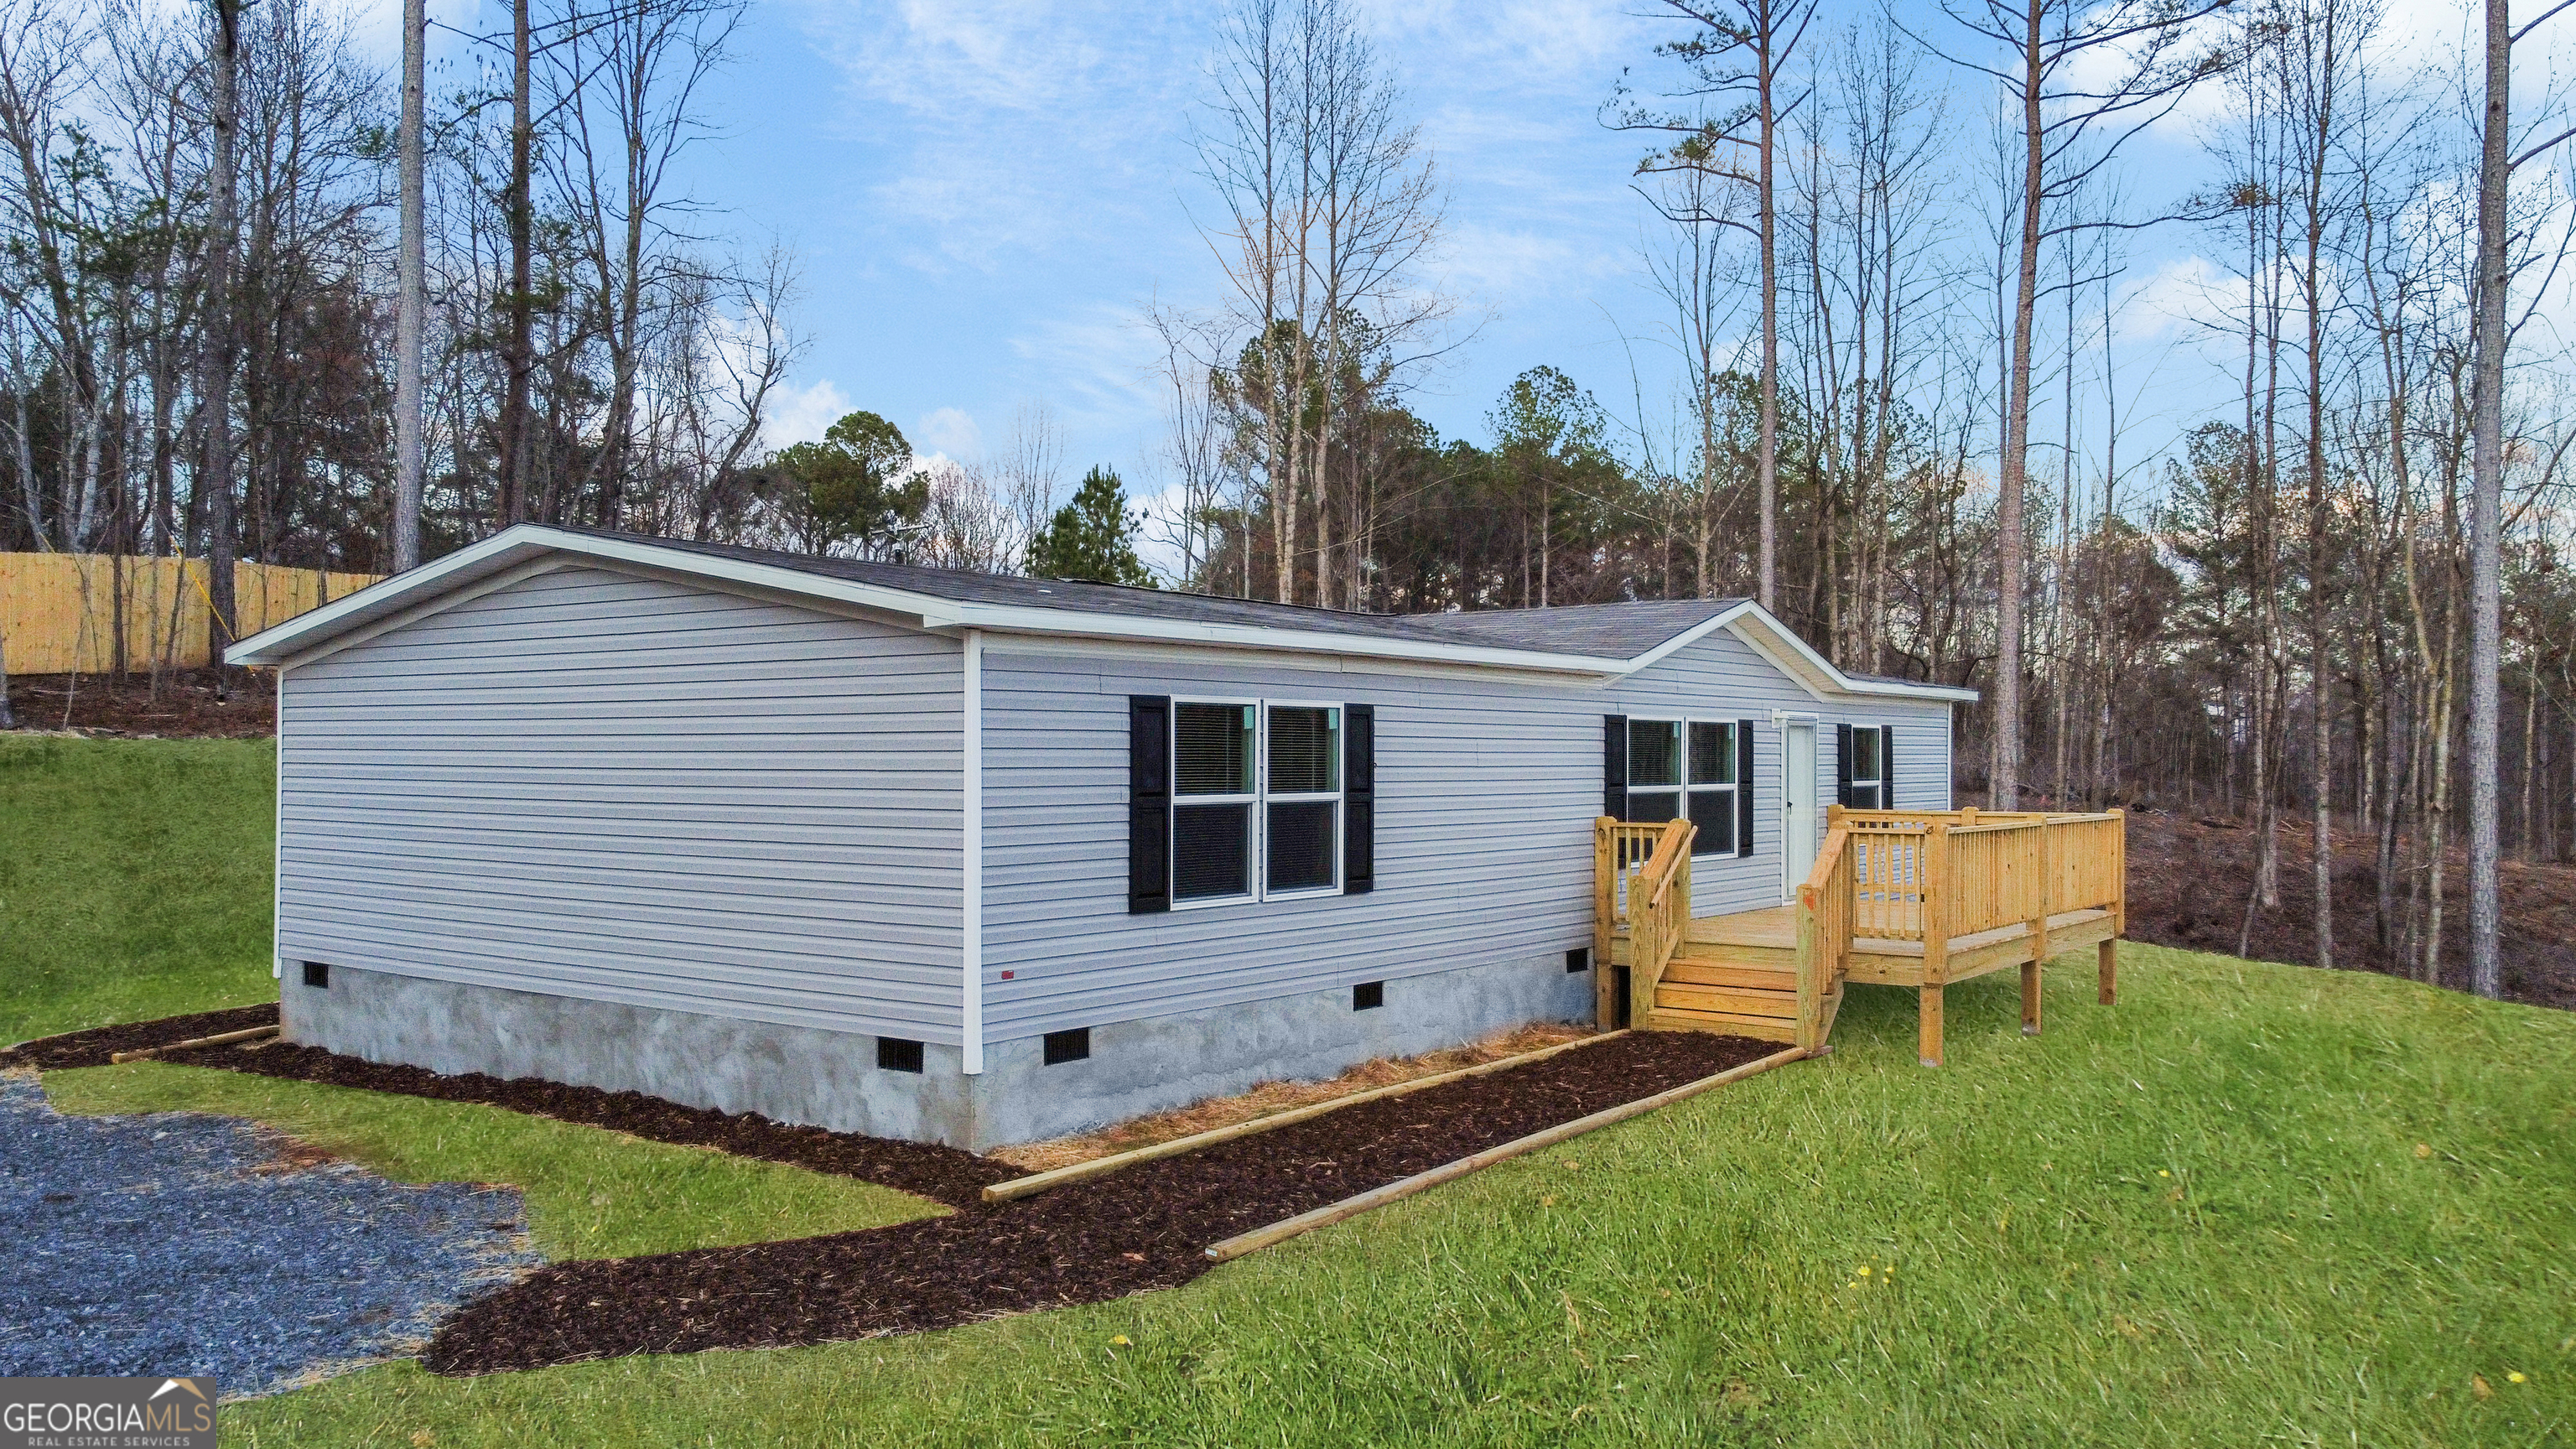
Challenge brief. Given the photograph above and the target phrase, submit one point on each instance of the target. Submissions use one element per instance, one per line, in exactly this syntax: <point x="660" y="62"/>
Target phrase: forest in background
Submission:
<point x="1893" y="255"/>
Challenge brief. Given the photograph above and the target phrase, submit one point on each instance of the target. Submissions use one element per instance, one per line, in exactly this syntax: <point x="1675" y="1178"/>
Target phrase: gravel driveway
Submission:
<point x="179" y="1243"/>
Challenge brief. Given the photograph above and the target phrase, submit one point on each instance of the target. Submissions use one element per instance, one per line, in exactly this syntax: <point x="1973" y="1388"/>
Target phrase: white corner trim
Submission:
<point x="971" y="933"/>
<point x="277" y="841"/>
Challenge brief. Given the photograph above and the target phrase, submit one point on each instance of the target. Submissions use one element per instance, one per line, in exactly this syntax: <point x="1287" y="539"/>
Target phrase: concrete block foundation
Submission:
<point x="831" y="1079"/>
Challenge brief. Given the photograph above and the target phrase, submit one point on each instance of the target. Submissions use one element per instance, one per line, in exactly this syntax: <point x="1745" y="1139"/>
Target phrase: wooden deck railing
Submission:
<point x="1923" y="874"/>
<point x="1940" y="876"/>
<point x="1829" y="905"/>
<point x="1641" y="884"/>
<point x="1987" y="887"/>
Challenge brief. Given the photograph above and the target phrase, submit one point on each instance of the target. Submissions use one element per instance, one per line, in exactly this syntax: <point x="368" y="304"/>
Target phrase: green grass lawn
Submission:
<point x="2250" y="1205"/>
<point x="134" y="879"/>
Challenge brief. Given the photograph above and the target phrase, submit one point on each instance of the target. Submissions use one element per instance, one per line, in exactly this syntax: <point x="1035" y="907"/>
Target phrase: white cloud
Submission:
<point x="951" y="431"/>
<point x="799" y="415"/>
<point x="2181" y="293"/>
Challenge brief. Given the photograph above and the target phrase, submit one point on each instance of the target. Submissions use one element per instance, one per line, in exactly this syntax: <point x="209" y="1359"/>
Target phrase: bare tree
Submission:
<point x="412" y="281"/>
<point x="215" y="482"/>
<point x="1332" y="206"/>
<point x="2317" y="43"/>
<point x="2071" y="127"/>
<point x="1031" y="467"/>
<point x="1737" y="57"/>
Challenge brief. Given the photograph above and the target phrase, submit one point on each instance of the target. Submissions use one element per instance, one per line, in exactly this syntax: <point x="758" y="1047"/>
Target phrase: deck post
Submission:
<point x="1936" y="938"/>
<point x="2037" y="903"/>
<point x="1604" y="903"/>
<point x="2109" y="949"/>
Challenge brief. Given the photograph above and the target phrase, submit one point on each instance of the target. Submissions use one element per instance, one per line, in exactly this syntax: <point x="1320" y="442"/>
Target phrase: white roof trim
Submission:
<point x="301" y="637"/>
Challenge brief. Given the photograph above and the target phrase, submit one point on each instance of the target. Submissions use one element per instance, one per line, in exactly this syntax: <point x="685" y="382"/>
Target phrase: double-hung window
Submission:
<point x="1256" y="800"/>
<point x="1215" y="770"/>
<point x="1868" y="770"/>
<point x="1686" y="768"/>
<point x="1714" y="778"/>
<point x="1654" y="769"/>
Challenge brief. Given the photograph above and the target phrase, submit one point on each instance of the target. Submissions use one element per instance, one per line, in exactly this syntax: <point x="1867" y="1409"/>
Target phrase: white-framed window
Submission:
<point x="1687" y="767"/>
<point x="1868" y="770"/>
<point x="1256" y="800"/>
<point x="1716" y="773"/>
<point x="1654" y="769"/>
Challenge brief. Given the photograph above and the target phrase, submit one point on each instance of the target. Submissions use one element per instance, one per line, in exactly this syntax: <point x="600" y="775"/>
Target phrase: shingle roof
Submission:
<point x="1613" y="631"/>
<point x="1596" y="640"/>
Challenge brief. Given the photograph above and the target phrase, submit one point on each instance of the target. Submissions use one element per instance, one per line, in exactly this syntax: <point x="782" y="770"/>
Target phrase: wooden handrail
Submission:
<point x="1825" y="900"/>
<point x="1658" y="914"/>
<point x="1932" y="876"/>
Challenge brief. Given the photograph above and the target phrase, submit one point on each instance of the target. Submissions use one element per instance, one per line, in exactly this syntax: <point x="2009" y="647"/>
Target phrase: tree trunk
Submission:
<point x="409" y="307"/>
<point x="2005" y="790"/>
<point x="519" y="354"/>
<point x="1767" y="459"/>
<point x="215" y="488"/>
<point x="2486" y="505"/>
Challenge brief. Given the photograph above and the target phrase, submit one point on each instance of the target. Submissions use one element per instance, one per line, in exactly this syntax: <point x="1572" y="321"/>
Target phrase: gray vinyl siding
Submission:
<point x="1488" y="784"/>
<point x="612" y="787"/>
<point x="1722" y="677"/>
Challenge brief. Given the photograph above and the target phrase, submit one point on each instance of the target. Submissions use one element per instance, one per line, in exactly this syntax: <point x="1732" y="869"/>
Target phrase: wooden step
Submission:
<point x="1709" y="969"/>
<point x="1760" y="1028"/>
<point x="1742" y="953"/>
<point x="1736" y="1001"/>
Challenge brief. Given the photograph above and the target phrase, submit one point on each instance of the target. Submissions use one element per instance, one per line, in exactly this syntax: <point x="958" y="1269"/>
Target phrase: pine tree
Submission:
<point x="1093" y="537"/>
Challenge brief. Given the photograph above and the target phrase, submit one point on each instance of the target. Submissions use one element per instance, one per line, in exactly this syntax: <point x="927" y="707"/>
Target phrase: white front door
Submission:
<point x="1798" y="814"/>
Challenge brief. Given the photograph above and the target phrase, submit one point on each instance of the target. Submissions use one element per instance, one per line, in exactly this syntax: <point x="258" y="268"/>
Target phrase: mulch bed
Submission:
<point x="925" y="1169"/>
<point x="1144" y="1228"/>
<point x="92" y="1048"/>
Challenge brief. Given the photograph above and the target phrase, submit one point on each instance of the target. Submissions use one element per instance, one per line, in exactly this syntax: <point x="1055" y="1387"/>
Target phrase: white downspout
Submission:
<point x="971" y="1027"/>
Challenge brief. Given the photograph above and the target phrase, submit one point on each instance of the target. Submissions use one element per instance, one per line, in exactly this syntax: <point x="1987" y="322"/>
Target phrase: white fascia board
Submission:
<point x="1754" y="620"/>
<point x="295" y="638"/>
<point x="1949" y="693"/>
<point x="1067" y="623"/>
<point x="284" y="641"/>
<point x="1781" y="645"/>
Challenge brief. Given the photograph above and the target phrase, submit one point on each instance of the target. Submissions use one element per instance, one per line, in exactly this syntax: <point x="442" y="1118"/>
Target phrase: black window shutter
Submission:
<point x="1887" y="767"/>
<point x="1359" y="799"/>
<point x="1744" y="787"/>
<point x="1842" y="766"/>
<point x="1149" y="803"/>
<point x="1614" y="766"/>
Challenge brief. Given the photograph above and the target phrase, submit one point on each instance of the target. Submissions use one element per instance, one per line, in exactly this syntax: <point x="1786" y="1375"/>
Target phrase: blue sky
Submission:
<point x="987" y="193"/>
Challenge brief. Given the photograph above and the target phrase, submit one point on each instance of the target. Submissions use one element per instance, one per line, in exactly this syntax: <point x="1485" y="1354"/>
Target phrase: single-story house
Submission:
<point x="947" y="856"/>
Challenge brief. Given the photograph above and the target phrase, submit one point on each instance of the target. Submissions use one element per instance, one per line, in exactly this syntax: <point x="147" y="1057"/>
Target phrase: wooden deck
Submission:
<point x="1895" y="961"/>
<point x="1995" y="891"/>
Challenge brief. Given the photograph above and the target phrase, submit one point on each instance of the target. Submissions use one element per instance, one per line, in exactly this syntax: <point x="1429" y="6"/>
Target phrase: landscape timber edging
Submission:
<point x="1350" y="1207"/>
<point x="1038" y="1182"/>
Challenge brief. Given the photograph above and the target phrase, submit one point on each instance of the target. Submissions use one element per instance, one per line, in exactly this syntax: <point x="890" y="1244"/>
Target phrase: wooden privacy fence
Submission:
<point x="64" y="612"/>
